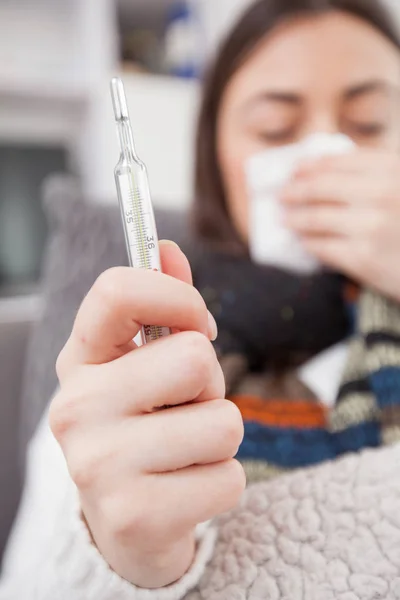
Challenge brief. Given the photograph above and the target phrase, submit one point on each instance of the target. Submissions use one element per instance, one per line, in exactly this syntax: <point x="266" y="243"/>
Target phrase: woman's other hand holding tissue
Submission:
<point x="346" y="209"/>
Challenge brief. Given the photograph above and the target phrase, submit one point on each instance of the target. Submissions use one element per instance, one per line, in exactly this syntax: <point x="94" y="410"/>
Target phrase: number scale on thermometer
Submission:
<point x="135" y="202"/>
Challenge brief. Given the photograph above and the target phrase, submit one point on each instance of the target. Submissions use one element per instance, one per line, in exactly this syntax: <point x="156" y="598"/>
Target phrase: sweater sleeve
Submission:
<point x="50" y="555"/>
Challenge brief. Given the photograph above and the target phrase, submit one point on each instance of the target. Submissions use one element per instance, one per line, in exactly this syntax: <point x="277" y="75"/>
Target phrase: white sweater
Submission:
<point x="50" y="555"/>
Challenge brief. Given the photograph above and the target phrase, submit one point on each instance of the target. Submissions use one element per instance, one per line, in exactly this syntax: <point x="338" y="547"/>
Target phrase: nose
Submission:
<point x="321" y="122"/>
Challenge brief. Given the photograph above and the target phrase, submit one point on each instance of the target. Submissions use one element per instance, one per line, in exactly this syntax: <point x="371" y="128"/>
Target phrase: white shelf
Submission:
<point x="33" y="120"/>
<point x="53" y="54"/>
<point x="41" y="111"/>
<point x="20" y="309"/>
<point x="43" y="89"/>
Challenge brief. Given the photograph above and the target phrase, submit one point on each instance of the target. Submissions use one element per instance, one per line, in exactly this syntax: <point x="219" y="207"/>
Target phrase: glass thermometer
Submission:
<point x="135" y="202"/>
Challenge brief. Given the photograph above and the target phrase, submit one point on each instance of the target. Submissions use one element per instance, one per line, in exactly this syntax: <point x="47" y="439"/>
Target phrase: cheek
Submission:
<point x="393" y="141"/>
<point x="390" y="143"/>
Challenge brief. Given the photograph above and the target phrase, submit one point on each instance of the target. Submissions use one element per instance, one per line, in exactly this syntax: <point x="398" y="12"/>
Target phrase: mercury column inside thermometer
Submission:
<point x="135" y="202"/>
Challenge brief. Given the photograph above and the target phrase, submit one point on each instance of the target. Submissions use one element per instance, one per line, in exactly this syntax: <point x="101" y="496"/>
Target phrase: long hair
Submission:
<point x="211" y="217"/>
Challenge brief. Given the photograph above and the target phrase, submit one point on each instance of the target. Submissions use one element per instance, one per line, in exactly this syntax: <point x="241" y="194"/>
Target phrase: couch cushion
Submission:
<point x="13" y="336"/>
<point x="85" y="239"/>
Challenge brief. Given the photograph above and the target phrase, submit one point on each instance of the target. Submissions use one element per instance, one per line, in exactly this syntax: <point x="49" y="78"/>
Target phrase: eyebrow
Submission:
<point x="290" y="98"/>
<point x="296" y="99"/>
<point x="366" y="87"/>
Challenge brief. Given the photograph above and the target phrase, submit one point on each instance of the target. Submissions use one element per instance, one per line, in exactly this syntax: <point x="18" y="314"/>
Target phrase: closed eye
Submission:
<point x="278" y="136"/>
<point x="368" y="129"/>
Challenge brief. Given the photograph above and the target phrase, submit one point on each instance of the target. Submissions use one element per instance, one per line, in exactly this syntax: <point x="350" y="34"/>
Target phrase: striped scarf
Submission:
<point x="286" y="426"/>
<point x="284" y="433"/>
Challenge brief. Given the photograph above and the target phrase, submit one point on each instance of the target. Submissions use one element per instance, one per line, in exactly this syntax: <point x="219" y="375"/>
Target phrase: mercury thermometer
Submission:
<point x="135" y="202"/>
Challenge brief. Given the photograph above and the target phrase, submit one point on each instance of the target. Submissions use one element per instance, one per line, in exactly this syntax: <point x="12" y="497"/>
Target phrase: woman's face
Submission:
<point x="332" y="73"/>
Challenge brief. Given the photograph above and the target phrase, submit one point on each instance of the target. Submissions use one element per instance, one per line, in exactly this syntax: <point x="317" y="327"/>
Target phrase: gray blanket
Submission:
<point x="325" y="533"/>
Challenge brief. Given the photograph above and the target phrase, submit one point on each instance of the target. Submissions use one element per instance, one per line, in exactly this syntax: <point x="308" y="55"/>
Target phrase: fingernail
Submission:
<point x="212" y="328"/>
<point x="168" y="243"/>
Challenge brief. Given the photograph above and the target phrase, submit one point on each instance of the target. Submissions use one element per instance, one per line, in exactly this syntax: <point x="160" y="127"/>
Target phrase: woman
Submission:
<point x="146" y="477"/>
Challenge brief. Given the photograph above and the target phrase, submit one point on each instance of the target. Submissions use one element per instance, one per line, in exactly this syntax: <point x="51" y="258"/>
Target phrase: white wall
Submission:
<point x="163" y="113"/>
<point x="36" y="40"/>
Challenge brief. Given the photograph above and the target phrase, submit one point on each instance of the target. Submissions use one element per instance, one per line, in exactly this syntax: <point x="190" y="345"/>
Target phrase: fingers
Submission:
<point x="318" y="220"/>
<point x="331" y="220"/>
<point x="205" y="491"/>
<point x="351" y="259"/>
<point x="179" y="369"/>
<point x="194" y="434"/>
<point x="168" y="440"/>
<point x="324" y="187"/>
<point x="120" y="302"/>
<point x="201" y="493"/>
<point x="334" y="252"/>
<point x="361" y="162"/>
<point x="356" y="179"/>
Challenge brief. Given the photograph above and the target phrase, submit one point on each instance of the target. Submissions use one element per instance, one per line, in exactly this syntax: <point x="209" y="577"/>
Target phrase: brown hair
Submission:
<point x="210" y="212"/>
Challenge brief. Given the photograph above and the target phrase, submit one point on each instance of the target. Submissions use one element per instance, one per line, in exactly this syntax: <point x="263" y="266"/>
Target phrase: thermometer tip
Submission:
<point x="119" y="99"/>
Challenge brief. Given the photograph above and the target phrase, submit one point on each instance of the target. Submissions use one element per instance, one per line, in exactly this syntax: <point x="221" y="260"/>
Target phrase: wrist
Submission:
<point x="157" y="569"/>
<point x="147" y="568"/>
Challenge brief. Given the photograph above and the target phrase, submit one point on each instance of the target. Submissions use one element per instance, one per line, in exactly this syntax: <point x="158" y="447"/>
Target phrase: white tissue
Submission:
<point x="268" y="172"/>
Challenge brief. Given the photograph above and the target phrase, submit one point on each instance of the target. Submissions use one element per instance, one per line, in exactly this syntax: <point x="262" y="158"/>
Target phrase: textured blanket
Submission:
<point x="325" y="533"/>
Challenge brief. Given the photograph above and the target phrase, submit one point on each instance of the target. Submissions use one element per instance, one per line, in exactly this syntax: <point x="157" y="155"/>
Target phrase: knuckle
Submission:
<point x="124" y="519"/>
<point x="232" y="425"/>
<point x="61" y="363"/>
<point x="108" y="285"/>
<point x="81" y="473"/>
<point x="63" y="414"/>
<point x="84" y="470"/>
<point x="200" y="356"/>
<point x="236" y="481"/>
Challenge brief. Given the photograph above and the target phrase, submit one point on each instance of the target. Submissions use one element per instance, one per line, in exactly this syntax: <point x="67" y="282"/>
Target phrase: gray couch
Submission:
<point x="85" y="239"/>
<point x="14" y="336"/>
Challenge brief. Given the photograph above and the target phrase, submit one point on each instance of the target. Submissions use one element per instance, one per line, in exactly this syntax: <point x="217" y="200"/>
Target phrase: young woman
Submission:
<point x="120" y="518"/>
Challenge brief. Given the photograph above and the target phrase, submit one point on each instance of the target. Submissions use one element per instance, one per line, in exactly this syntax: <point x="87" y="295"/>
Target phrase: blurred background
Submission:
<point x="56" y="60"/>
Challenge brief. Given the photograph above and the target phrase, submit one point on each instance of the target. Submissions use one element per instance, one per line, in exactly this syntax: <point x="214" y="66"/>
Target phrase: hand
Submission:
<point x="146" y="475"/>
<point x="346" y="209"/>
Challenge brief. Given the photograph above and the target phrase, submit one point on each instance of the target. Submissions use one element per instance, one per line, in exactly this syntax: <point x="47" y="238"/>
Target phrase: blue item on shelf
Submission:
<point x="181" y="42"/>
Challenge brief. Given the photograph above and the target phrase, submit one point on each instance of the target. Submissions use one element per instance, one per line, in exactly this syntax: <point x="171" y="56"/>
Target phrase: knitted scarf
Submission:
<point x="269" y="323"/>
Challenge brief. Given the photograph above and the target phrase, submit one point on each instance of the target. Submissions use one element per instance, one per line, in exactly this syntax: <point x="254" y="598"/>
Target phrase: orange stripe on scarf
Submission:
<point x="299" y="414"/>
